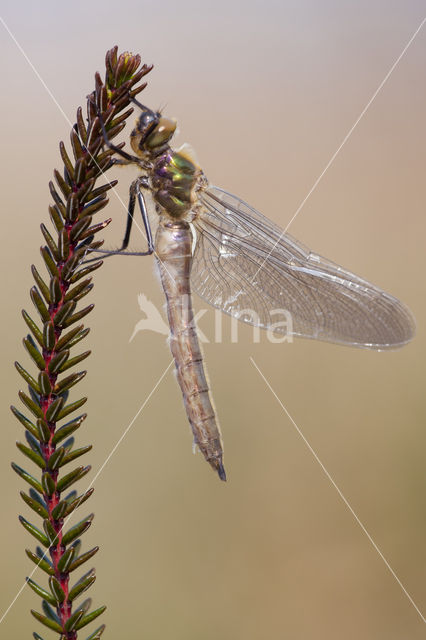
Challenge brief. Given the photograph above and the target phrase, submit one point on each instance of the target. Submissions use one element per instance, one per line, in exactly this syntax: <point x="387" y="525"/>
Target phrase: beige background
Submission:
<point x="265" y="92"/>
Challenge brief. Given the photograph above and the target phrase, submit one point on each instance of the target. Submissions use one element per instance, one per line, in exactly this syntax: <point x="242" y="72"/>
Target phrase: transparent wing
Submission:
<point x="247" y="267"/>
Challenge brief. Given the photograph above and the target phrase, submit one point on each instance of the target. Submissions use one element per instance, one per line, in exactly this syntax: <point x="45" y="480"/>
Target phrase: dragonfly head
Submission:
<point x="152" y="133"/>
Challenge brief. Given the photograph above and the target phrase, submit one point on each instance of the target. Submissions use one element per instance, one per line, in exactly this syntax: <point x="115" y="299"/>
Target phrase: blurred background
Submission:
<point x="265" y="92"/>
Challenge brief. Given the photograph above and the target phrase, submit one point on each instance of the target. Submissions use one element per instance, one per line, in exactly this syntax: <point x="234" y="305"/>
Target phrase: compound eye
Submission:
<point x="146" y="120"/>
<point x="136" y="142"/>
<point x="161" y="134"/>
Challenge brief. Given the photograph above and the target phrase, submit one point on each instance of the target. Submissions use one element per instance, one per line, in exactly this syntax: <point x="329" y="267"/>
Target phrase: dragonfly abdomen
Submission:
<point x="174" y="256"/>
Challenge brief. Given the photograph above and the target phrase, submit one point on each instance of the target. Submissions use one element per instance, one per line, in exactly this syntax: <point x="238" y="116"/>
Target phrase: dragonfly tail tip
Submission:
<point x="221" y="471"/>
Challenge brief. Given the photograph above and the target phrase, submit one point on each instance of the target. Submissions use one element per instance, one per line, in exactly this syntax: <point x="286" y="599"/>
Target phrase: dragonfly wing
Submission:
<point x="246" y="266"/>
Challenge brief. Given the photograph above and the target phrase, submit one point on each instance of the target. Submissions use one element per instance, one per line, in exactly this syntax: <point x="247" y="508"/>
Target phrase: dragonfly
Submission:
<point x="212" y="242"/>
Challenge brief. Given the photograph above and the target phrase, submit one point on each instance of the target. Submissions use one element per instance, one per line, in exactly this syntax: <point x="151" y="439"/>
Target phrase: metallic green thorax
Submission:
<point x="174" y="178"/>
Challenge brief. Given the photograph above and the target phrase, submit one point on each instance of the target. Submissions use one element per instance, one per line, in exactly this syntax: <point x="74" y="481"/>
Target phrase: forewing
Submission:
<point x="246" y="266"/>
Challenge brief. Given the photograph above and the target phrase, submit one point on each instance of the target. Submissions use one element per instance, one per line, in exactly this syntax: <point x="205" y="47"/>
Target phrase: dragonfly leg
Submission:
<point x="142" y="107"/>
<point x="134" y="192"/>
<point x="130" y="159"/>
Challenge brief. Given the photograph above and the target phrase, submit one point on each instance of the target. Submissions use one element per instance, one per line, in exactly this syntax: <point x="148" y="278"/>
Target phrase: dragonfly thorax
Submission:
<point x="174" y="178"/>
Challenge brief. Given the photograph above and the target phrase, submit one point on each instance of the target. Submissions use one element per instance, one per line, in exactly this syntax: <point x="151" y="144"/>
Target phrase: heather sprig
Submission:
<point x="49" y="440"/>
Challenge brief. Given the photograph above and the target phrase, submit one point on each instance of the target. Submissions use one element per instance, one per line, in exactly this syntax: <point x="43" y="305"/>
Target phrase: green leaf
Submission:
<point x="56" y="589"/>
<point x="80" y="226"/>
<point x="51" y="624"/>
<point x="43" y="431"/>
<point x="90" y="617"/>
<point x="76" y="145"/>
<point x="31" y="405"/>
<point x="75" y="291"/>
<point x="34" y="396"/>
<point x="102" y="189"/>
<point x="58" y="201"/>
<point x="35" y="354"/>
<point x="54" y="411"/>
<point x="85" y="605"/>
<point x="72" y="263"/>
<point x="63" y="313"/>
<point x="40" y="591"/>
<point x="43" y="563"/>
<point x="85" y="191"/>
<point x="55" y="289"/>
<point x="50" y="612"/>
<point x="73" y="455"/>
<point x="70" y="478"/>
<point x="27" y="423"/>
<point x="63" y="184"/>
<point x="68" y="444"/>
<point x="74" y="504"/>
<point x="66" y="160"/>
<point x="60" y="510"/>
<point x="39" y="535"/>
<point x="77" y="530"/>
<point x="56" y="458"/>
<point x="72" y="494"/>
<point x="77" y="543"/>
<point x="79" y="336"/>
<point x="73" y="620"/>
<point x="49" y="337"/>
<point x="33" y="442"/>
<point x="41" y="284"/>
<point x="82" y="559"/>
<point x="48" y="484"/>
<point x="78" y="316"/>
<point x="81" y="126"/>
<point x="82" y="585"/>
<point x="27" y="477"/>
<point x="91" y="231"/>
<point x="69" y="381"/>
<point x="82" y="273"/>
<point x="102" y="167"/>
<point x="84" y="292"/>
<point x="32" y="455"/>
<point x="44" y="385"/>
<point x="63" y="245"/>
<point x="121" y="118"/>
<point x="50" y="242"/>
<point x="81" y="167"/>
<point x="37" y="496"/>
<point x="66" y="560"/>
<point x="56" y="218"/>
<point x="40" y="552"/>
<point x="39" y="304"/>
<point x="35" y="505"/>
<point x="49" y="262"/>
<point x="58" y="360"/>
<point x="78" y="614"/>
<point x="68" y="336"/>
<point x="97" y="633"/>
<point x="28" y="377"/>
<point x="33" y="327"/>
<point x="73" y="406"/>
<point x="51" y="533"/>
<point x="68" y="428"/>
<point x="73" y="361"/>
